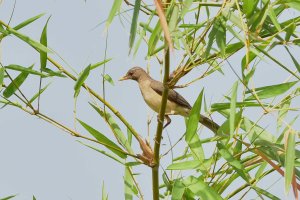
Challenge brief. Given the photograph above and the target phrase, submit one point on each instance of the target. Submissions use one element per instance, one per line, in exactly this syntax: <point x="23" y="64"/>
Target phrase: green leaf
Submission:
<point x="109" y="79"/>
<point x="112" y="156"/>
<point x="283" y="110"/>
<point x="31" y="42"/>
<point x="271" y="90"/>
<point x="2" y="70"/>
<point x="178" y="190"/>
<point x="186" y="5"/>
<point x="221" y="36"/>
<point x="28" y="21"/>
<point x="191" y="136"/>
<point x="38" y="93"/>
<point x="289" y="160"/>
<point x="15" y="84"/>
<point x="233" y="109"/>
<point x="262" y="14"/>
<point x="211" y="38"/>
<point x="249" y="7"/>
<point x="225" y="106"/>
<point x="115" y="128"/>
<point x="134" y="21"/>
<point x="173" y="20"/>
<point x="115" y="8"/>
<point x="255" y="132"/>
<point x="199" y="188"/>
<point x="191" y="164"/>
<point x="154" y="38"/>
<point x="104" y="193"/>
<point x="9" y="197"/>
<point x="128" y="184"/>
<point x="236" y="164"/>
<point x="103" y="139"/>
<point x="33" y="197"/>
<point x="290" y="31"/>
<point x="22" y="24"/>
<point x="274" y="19"/>
<point x="25" y="69"/>
<point x="43" y="41"/>
<point x="294" y="4"/>
<point x="94" y="66"/>
<point x="80" y="80"/>
<point x="297" y="65"/>
<point x="266" y="193"/>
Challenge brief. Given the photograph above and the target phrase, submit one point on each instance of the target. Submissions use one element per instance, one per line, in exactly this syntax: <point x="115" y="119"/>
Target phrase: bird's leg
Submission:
<point x="168" y="121"/>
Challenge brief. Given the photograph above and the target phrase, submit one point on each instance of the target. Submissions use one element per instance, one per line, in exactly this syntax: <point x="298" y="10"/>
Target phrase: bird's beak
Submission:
<point x="124" y="78"/>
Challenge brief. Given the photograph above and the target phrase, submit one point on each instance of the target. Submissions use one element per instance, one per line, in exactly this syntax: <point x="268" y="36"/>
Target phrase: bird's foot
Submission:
<point x="168" y="121"/>
<point x="167" y="118"/>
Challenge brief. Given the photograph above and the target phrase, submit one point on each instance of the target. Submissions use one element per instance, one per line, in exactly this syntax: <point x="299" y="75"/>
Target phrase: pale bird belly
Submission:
<point x="153" y="100"/>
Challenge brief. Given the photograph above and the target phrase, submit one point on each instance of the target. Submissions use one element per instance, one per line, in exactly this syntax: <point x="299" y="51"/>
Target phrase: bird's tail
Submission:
<point x="208" y="123"/>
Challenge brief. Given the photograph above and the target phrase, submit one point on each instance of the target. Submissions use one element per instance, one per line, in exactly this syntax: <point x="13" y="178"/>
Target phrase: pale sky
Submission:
<point x="40" y="159"/>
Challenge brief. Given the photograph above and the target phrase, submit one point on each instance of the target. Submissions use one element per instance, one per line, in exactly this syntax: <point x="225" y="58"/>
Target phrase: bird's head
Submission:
<point x="134" y="73"/>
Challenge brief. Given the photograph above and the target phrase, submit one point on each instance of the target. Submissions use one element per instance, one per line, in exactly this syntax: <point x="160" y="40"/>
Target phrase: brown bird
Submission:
<point x="152" y="93"/>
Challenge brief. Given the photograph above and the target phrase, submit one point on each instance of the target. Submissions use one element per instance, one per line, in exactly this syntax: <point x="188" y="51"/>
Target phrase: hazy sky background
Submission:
<point x="38" y="158"/>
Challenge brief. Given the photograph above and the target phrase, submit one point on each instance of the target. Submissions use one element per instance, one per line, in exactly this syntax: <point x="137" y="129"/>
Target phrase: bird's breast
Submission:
<point x="153" y="100"/>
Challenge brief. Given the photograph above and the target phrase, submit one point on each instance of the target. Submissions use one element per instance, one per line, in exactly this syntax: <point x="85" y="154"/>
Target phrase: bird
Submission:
<point x="152" y="91"/>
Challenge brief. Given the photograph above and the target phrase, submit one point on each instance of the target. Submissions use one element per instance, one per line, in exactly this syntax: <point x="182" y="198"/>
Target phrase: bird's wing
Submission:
<point x="172" y="96"/>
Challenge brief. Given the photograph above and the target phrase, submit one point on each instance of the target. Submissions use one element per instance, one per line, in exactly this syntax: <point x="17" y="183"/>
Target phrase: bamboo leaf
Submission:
<point x="163" y="22"/>
<point x="115" y="8"/>
<point x="80" y="80"/>
<point x="134" y="21"/>
<point x="28" y="21"/>
<point x="233" y="109"/>
<point x="249" y="7"/>
<point x="43" y="41"/>
<point x="104" y="193"/>
<point x="221" y="36"/>
<point x="9" y="197"/>
<point x="128" y="184"/>
<point x="25" y="69"/>
<point x="94" y="66"/>
<point x="289" y="160"/>
<point x="103" y="139"/>
<point x="236" y="164"/>
<point x="199" y="188"/>
<point x="191" y="164"/>
<point x="186" y="5"/>
<point x="31" y="42"/>
<point x="154" y="38"/>
<point x="274" y="19"/>
<point x="2" y="70"/>
<point x="22" y="24"/>
<point x="115" y="128"/>
<point x="38" y="93"/>
<point x="271" y="90"/>
<point x="112" y="156"/>
<point x="256" y="25"/>
<point x="297" y="65"/>
<point x="225" y="106"/>
<point x="191" y="136"/>
<point x="15" y="84"/>
<point x="266" y="193"/>
<point x="109" y="79"/>
<point x="178" y="190"/>
<point x="289" y="31"/>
